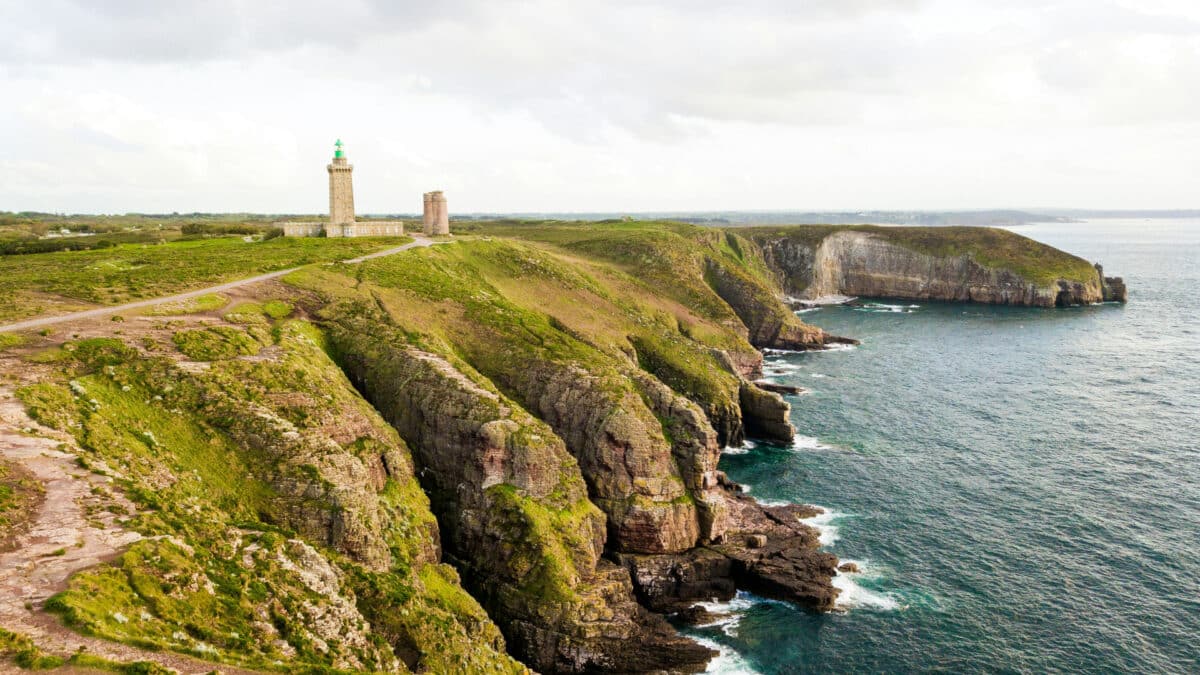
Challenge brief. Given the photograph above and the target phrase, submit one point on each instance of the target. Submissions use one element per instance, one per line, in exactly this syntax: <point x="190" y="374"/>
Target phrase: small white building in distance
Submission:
<point x="341" y="209"/>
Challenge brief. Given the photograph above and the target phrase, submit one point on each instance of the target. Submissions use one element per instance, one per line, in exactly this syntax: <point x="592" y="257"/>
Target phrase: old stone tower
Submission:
<point x="436" y="218"/>
<point x="341" y="188"/>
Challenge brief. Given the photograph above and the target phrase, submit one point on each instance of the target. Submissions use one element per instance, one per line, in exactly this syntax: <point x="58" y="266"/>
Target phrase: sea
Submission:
<point x="1020" y="488"/>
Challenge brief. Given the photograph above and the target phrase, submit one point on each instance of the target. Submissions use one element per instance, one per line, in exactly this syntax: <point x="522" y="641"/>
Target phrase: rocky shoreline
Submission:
<point x="520" y="441"/>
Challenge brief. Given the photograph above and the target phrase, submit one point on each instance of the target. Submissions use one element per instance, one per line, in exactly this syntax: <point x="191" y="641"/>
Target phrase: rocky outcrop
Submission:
<point x="696" y="449"/>
<point x="514" y="512"/>
<point x="767" y="550"/>
<point x="629" y="467"/>
<point x="1112" y="288"/>
<point x="768" y="321"/>
<point x="867" y="264"/>
<point x="765" y="414"/>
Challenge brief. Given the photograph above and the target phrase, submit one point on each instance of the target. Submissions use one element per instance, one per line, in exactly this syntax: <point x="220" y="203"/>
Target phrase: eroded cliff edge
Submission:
<point x="498" y="452"/>
<point x="960" y="264"/>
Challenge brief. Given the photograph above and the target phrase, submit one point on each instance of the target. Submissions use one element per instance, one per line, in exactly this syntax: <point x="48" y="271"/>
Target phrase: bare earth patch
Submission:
<point x="73" y="529"/>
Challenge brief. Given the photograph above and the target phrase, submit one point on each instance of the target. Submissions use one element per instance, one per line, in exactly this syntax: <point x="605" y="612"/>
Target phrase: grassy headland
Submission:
<point x="65" y="280"/>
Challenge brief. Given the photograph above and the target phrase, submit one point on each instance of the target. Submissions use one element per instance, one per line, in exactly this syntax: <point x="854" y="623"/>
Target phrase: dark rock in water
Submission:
<point x="765" y="414"/>
<point x="671" y="583"/>
<point x="698" y="615"/>
<point x="1112" y="288"/>
<point x="766" y="549"/>
<point x="780" y="388"/>
<point x="848" y="568"/>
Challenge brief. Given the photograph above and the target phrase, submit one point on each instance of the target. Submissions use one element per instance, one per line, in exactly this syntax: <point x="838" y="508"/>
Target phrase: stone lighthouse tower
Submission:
<point x="341" y="192"/>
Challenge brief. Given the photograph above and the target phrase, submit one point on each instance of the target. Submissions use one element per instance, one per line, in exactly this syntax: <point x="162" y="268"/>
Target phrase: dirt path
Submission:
<point x="72" y="530"/>
<point x="418" y="241"/>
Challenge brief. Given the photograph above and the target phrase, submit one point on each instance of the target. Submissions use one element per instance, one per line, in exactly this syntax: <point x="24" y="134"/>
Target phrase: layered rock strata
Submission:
<point x="767" y="550"/>
<point x="866" y="264"/>
<point x="515" y="515"/>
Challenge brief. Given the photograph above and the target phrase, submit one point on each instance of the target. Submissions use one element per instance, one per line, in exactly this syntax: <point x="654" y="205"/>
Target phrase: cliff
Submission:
<point x="985" y="265"/>
<point x="277" y="516"/>
<point x="492" y="455"/>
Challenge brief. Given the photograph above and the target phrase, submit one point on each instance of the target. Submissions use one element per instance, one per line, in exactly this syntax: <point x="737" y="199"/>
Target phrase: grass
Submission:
<point x="43" y="282"/>
<point x="20" y="494"/>
<point x="202" y="455"/>
<point x="205" y="303"/>
<point x="215" y="342"/>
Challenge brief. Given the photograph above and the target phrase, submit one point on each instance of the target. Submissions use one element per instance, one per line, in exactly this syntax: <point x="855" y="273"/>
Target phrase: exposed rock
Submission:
<point x="779" y="388"/>
<point x="768" y="321"/>
<point x="698" y="615"/>
<point x="863" y="263"/>
<point x="848" y="568"/>
<point x="669" y="583"/>
<point x="766" y="550"/>
<point x="629" y="467"/>
<point x="514" y="512"/>
<point x="1112" y="288"/>
<point x="766" y="414"/>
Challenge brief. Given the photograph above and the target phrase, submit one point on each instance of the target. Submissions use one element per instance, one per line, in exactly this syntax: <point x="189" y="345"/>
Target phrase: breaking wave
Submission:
<point x="823" y="524"/>
<point x="809" y="443"/>
<point x="727" y="662"/>
<point x="742" y="449"/>
<point x="886" y="309"/>
<point x="852" y="594"/>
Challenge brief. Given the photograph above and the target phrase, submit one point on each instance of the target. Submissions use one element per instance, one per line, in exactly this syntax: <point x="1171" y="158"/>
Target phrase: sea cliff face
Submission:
<point x="496" y="454"/>
<point x="869" y="264"/>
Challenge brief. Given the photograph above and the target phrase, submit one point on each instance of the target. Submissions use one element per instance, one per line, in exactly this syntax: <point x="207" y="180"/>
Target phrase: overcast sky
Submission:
<point x="233" y="105"/>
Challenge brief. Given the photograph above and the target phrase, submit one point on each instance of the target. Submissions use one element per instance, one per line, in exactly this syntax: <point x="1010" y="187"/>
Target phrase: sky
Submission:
<point x="609" y="105"/>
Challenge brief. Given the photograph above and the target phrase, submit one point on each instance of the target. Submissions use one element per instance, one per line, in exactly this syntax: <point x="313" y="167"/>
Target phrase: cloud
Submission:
<point x="220" y="103"/>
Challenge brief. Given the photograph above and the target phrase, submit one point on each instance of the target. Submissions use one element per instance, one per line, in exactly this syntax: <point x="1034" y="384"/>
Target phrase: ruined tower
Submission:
<point x="341" y="192"/>
<point x="436" y="218"/>
<point x="427" y="214"/>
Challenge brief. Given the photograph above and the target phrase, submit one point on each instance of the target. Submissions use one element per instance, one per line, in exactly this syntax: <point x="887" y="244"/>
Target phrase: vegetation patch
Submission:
<point x="229" y="575"/>
<point x="215" y="342"/>
<point x="20" y="495"/>
<point x="129" y="272"/>
<point x="204" y="303"/>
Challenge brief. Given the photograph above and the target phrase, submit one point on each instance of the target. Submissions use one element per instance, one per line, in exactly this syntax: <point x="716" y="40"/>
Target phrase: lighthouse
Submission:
<point x="341" y="190"/>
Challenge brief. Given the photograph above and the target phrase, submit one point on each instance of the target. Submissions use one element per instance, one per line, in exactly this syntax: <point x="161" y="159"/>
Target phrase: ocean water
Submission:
<point x="1021" y="487"/>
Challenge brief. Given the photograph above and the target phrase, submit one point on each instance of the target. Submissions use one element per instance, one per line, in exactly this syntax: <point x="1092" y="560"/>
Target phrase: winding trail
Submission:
<point x="74" y="527"/>
<point x="417" y="242"/>
<point x="71" y="531"/>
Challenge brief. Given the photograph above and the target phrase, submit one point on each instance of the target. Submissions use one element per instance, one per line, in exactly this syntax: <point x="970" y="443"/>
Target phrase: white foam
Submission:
<point x="727" y="614"/>
<point x="742" y="449"/>
<point x="809" y="443"/>
<point x="885" y="308"/>
<point x="819" y="375"/>
<point x="773" y="502"/>
<point x="854" y="595"/>
<point x="837" y="347"/>
<point x="727" y="661"/>
<point x="827" y="532"/>
<point x="772" y="351"/>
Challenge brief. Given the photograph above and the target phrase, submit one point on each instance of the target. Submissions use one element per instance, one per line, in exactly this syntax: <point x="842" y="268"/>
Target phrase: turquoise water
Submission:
<point x="1021" y="487"/>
